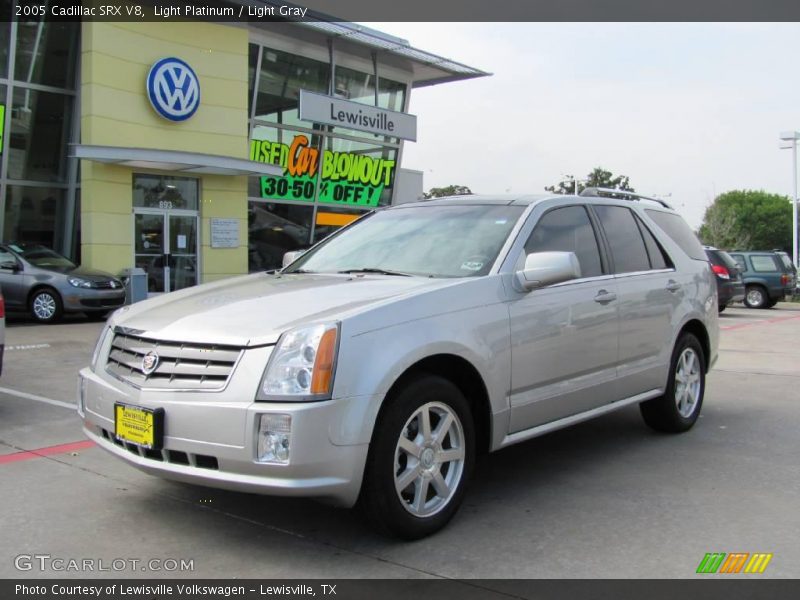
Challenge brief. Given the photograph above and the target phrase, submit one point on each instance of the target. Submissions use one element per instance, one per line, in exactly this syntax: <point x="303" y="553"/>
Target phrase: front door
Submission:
<point x="166" y="248"/>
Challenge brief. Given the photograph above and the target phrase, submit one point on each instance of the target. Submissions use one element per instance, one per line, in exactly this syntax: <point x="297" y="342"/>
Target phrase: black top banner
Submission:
<point x="405" y="10"/>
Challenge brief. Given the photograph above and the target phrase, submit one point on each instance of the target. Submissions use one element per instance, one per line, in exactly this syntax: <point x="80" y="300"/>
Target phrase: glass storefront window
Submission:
<point x="297" y="152"/>
<point x="273" y="230"/>
<point x="46" y="53"/>
<point x="332" y="218"/>
<point x="165" y="192"/>
<point x="39" y="131"/>
<point x="252" y="63"/>
<point x="354" y="85"/>
<point x="34" y="215"/>
<point x="391" y="94"/>
<point x="282" y="77"/>
<point x="5" y="34"/>
<point x="371" y="169"/>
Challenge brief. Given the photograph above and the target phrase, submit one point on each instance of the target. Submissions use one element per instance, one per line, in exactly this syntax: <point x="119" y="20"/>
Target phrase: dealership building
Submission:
<point x="199" y="150"/>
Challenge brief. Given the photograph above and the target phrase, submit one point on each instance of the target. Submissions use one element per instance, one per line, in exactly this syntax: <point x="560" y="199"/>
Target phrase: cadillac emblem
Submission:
<point x="149" y="362"/>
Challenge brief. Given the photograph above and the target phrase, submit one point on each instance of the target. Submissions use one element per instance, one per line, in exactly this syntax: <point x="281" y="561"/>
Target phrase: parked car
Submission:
<point x="730" y="286"/>
<point x="375" y="367"/>
<point x="767" y="280"/>
<point x="37" y="279"/>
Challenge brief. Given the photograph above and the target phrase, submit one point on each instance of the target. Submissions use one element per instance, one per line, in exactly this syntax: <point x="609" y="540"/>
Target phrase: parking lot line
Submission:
<point x="759" y="322"/>
<point x="28" y="396"/>
<point x="40" y="452"/>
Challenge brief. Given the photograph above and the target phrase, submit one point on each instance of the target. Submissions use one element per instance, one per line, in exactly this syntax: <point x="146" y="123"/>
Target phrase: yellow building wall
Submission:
<point x="115" y="111"/>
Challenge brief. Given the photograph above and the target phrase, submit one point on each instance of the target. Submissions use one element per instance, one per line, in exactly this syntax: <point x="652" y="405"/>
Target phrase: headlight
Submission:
<point x="100" y="341"/>
<point x="301" y="366"/>
<point x="78" y="282"/>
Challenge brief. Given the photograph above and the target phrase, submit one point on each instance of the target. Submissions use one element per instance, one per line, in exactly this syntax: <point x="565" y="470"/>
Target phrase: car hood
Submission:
<point x="256" y="309"/>
<point x="88" y="274"/>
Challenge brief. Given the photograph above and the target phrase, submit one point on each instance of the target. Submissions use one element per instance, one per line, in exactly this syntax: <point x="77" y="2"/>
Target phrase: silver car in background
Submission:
<point x="39" y="280"/>
<point x="376" y="366"/>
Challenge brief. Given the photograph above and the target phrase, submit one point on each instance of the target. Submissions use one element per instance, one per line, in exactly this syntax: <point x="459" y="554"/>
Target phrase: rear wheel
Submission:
<point x="755" y="296"/>
<point x="679" y="407"/>
<point x="722" y="307"/>
<point x="420" y="459"/>
<point x="45" y="305"/>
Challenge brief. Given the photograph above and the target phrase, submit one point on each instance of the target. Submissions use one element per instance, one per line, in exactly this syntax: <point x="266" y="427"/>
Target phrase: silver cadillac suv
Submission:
<point x="374" y="367"/>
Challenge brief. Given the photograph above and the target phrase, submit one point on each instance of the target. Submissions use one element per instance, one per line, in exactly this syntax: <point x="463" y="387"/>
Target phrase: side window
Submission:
<point x="6" y="257"/>
<point x="627" y="246"/>
<point x="739" y="261"/>
<point x="763" y="263"/>
<point x="658" y="258"/>
<point x="568" y="229"/>
<point x="676" y="228"/>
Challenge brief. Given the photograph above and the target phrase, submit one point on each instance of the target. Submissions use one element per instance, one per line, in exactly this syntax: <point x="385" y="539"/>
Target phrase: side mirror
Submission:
<point x="547" y="268"/>
<point x="9" y="265"/>
<point x="290" y="257"/>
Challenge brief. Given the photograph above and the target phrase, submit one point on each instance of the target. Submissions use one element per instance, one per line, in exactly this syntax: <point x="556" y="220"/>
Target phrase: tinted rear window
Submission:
<point x="720" y="257"/>
<point x="787" y="262"/>
<point x="676" y="228"/>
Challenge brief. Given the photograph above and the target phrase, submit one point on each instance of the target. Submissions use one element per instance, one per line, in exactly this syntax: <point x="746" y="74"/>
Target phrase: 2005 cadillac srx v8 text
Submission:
<point x="373" y="368"/>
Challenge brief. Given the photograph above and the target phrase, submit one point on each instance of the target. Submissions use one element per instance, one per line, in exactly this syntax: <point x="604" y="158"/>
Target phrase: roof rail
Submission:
<point x="597" y="191"/>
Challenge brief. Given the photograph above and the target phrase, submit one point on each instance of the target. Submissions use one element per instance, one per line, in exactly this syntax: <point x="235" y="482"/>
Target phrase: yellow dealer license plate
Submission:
<point x="141" y="426"/>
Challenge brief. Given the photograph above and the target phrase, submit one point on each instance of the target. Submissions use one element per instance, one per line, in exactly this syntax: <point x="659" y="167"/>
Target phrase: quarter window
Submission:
<point x="763" y="263"/>
<point x="624" y="238"/>
<point x="568" y="229"/>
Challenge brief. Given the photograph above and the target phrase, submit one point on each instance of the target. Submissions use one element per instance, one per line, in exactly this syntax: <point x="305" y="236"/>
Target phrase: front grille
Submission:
<point x="180" y="366"/>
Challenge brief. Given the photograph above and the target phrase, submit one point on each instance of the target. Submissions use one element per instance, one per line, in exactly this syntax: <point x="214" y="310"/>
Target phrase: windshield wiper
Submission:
<point x="377" y="271"/>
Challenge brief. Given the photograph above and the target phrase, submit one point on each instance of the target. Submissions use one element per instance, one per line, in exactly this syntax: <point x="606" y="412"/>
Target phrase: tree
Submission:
<point x="748" y="220"/>
<point x="450" y="190"/>
<point x="599" y="177"/>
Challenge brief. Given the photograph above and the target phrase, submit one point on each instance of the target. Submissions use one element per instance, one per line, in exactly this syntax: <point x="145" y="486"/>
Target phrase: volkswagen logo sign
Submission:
<point x="149" y="362"/>
<point x="173" y="89"/>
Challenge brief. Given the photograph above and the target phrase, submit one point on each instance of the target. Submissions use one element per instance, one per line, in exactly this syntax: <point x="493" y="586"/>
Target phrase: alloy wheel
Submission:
<point x="44" y="306"/>
<point x="688" y="383"/>
<point x="429" y="459"/>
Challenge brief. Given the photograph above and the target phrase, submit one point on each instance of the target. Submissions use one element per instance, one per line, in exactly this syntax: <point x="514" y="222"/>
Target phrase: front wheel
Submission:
<point x="46" y="306"/>
<point x="420" y="459"/>
<point x="679" y="407"/>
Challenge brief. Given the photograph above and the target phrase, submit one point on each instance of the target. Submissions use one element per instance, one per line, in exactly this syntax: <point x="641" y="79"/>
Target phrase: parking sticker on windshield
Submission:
<point x="472" y="265"/>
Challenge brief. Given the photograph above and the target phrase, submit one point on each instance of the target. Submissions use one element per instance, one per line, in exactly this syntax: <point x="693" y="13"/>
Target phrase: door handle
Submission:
<point x="604" y="297"/>
<point x="673" y="286"/>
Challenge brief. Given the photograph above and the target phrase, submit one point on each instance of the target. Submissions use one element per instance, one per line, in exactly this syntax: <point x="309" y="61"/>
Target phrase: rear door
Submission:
<point x="564" y="337"/>
<point x="650" y="292"/>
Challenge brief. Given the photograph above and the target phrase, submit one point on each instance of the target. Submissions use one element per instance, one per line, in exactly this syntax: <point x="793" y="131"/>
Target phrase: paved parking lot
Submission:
<point x="608" y="498"/>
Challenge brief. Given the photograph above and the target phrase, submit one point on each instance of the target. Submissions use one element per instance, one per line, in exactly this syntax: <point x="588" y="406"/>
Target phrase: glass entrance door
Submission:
<point x="166" y="248"/>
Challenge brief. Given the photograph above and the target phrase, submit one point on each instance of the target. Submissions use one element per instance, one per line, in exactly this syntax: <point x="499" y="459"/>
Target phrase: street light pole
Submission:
<point x="792" y="137"/>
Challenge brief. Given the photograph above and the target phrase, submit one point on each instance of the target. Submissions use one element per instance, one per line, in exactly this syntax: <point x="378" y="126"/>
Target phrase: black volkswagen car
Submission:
<point x="730" y="285"/>
<point x="37" y="279"/>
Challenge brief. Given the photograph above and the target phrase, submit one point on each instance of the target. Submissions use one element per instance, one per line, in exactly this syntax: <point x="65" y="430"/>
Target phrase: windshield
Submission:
<point x="42" y="256"/>
<point x="430" y="241"/>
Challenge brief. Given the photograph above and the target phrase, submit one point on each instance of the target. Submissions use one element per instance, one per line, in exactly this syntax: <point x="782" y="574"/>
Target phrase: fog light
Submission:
<point x="274" y="438"/>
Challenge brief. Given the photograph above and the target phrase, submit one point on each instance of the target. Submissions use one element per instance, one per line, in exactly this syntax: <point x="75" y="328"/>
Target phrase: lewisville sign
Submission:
<point x="319" y="108"/>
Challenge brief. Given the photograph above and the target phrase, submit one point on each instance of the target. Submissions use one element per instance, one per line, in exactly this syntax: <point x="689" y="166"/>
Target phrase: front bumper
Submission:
<point x="211" y="438"/>
<point x="86" y="299"/>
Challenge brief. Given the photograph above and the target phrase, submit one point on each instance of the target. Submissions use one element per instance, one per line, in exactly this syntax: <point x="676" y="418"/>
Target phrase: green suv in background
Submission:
<point x="767" y="279"/>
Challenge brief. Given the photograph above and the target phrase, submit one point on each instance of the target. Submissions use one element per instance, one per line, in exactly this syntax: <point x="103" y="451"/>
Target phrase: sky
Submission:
<point x="686" y="110"/>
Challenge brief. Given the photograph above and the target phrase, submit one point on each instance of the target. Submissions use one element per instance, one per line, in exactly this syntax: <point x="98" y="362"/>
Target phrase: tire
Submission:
<point x="46" y="306"/>
<point x="755" y="296"/>
<point x="411" y="489"/>
<point x="722" y="307"/>
<point x="678" y="409"/>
